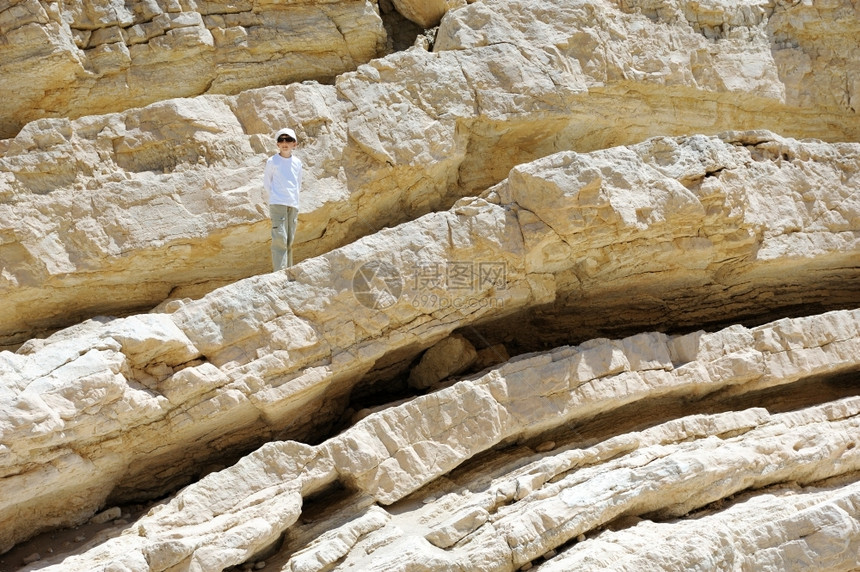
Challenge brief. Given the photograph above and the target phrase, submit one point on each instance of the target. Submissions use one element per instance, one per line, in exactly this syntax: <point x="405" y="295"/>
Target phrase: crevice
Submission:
<point x="402" y="33"/>
<point x="648" y="413"/>
<point x="71" y="539"/>
<point x="575" y="317"/>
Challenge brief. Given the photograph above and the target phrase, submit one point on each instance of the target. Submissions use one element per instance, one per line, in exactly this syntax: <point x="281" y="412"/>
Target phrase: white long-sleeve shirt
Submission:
<point x="282" y="178"/>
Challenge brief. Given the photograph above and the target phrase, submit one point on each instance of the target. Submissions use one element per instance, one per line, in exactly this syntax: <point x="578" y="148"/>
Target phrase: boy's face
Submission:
<point x="286" y="143"/>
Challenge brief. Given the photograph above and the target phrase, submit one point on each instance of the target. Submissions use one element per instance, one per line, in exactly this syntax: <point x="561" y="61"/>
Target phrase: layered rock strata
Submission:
<point x="167" y="200"/>
<point x="748" y="239"/>
<point x="70" y="59"/>
<point x="798" y="54"/>
<point x="687" y="222"/>
<point x="528" y="503"/>
<point x="812" y="528"/>
<point x="677" y="282"/>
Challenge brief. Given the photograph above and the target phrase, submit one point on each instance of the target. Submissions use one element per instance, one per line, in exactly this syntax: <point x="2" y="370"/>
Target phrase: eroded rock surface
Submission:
<point x="69" y="59"/>
<point x="578" y="287"/>
<point x="426" y="13"/>
<point x="167" y="200"/>
<point x="683" y="223"/>
<point x="526" y="504"/>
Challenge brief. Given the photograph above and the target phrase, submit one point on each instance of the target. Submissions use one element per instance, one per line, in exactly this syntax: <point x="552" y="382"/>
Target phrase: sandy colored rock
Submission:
<point x="279" y="353"/>
<point x="426" y="13"/>
<point x="511" y="513"/>
<point x="87" y="57"/>
<point x="168" y="201"/>
<point x="636" y="222"/>
<point x="449" y="357"/>
<point x="758" y="49"/>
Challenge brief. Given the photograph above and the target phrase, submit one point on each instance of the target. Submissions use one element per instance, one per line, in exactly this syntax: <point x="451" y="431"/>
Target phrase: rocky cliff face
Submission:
<point x="85" y="57"/>
<point x="578" y="288"/>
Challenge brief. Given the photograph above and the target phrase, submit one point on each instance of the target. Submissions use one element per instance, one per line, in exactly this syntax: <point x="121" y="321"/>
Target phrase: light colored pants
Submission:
<point x="284" y="221"/>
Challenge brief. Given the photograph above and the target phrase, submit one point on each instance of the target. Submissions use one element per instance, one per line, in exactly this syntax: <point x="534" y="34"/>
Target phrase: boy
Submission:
<point x="282" y="178"/>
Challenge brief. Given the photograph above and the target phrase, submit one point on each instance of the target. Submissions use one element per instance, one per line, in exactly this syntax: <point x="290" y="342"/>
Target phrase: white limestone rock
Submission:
<point x="168" y="201"/>
<point x="449" y="357"/>
<point x="87" y="57"/>
<point x="275" y="354"/>
<point x="731" y="446"/>
<point x="525" y="504"/>
<point x="784" y="528"/>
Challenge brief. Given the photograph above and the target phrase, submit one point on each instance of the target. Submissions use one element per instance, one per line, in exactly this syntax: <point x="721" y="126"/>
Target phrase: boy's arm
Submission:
<point x="267" y="176"/>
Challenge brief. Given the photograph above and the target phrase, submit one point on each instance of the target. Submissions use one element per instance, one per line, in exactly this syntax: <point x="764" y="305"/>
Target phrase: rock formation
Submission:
<point x="578" y="281"/>
<point x="69" y="59"/>
<point x="529" y="501"/>
<point x="400" y="137"/>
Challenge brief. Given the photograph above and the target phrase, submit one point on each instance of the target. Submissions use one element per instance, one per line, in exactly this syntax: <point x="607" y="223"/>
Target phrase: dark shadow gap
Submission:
<point x="649" y="413"/>
<point x="572" y="321"/>
<point x="402" y="33"/>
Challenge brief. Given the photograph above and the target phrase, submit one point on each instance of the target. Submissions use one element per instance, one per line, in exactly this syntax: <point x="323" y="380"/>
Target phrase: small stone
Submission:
<point x="449" y="357"/>
<point x="32" y="558"/>
<point x="549" y="555"/>
<point x="545" y="446"/>
<point x="260" y="565"/>
<point x="80" y="538"/>
<point x="107" y="515"/>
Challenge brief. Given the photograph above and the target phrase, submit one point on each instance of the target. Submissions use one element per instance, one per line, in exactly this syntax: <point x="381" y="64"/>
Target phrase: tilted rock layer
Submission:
<point x="528" y="502"/>
<point x="167" y="200"/>
<point x="278" y="354"/>
<point x="654" y="207"/>
<point x="68" y="59"/>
